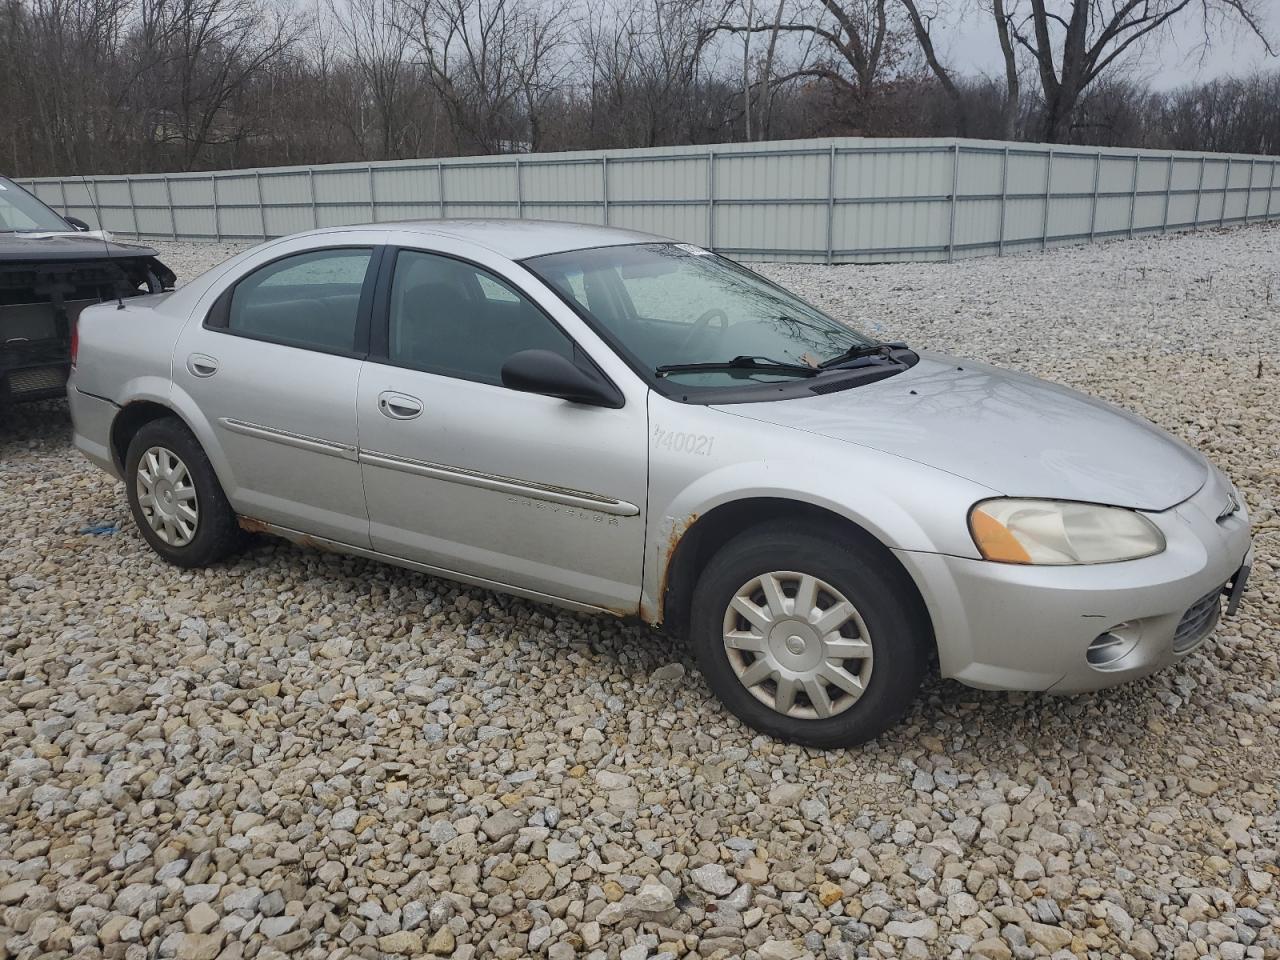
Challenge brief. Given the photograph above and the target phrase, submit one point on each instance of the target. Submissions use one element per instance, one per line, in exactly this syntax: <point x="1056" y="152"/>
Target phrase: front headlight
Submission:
<point x="1059" y="532"/>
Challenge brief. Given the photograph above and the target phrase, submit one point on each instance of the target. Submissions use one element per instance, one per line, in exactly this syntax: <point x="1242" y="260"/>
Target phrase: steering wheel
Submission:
<point x="702" y="324"/>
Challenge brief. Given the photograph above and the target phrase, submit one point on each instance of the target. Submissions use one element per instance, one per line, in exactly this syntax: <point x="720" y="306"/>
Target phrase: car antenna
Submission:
<point x="102" y="233"/>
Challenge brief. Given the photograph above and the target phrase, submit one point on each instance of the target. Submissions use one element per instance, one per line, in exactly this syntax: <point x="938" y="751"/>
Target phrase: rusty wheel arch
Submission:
<point x="691" y="544"/>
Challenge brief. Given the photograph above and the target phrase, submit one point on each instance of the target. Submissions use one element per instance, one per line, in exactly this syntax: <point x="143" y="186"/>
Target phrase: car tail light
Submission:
<point x="75" y="342"/>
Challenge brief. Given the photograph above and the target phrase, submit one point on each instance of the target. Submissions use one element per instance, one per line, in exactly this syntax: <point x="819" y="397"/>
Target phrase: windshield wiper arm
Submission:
<point x="739" y="363"/>
<point x="857" y="353"/>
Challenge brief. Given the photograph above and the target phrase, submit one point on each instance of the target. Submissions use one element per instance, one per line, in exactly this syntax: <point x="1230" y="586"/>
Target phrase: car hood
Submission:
<point x="48" y="247"/>
<point x="1016" y="434"/>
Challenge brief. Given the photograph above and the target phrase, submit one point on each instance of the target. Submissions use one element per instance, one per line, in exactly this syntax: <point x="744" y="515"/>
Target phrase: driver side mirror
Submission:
<point x="77" y="223"/>
<point x="552" y="375"/>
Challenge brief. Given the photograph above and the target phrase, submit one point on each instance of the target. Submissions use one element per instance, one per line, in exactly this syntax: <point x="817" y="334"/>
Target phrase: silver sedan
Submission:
<point x="616" y="422"/>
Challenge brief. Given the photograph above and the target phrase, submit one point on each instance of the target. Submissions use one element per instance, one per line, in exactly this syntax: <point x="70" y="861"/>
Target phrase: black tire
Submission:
<point x="217" y="534"/>
<point x="865" y="573"/>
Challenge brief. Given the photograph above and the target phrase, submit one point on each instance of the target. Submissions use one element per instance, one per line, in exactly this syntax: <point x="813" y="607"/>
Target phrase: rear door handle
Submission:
<point x="202" y="365"/>
<point x="398" y="406"/>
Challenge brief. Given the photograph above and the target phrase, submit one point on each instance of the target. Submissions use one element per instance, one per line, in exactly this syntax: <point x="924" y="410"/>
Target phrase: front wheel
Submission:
<point x="807" y="638"/>
<point x="175" y="496"/>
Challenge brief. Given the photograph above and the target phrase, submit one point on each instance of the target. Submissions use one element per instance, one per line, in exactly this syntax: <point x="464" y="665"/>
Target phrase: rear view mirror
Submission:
<point x="77" y="223"/>
<point x="552" y="375"/>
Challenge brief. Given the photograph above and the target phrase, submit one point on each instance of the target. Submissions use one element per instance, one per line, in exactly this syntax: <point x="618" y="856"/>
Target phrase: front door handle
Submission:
<point x="202" y="365"/>
<point x="398" y="406"/>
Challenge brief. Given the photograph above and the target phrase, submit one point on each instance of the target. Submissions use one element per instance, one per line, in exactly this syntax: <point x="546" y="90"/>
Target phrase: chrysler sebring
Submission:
<point x="620" y="423"/>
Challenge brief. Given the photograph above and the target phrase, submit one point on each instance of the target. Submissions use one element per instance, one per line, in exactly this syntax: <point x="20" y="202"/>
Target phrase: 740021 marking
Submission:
<point x="697" y="444"/>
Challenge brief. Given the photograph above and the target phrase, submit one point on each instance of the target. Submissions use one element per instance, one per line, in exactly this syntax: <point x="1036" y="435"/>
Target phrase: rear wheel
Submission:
<point x="808" y="638"/>
<point x="175" y="496"/>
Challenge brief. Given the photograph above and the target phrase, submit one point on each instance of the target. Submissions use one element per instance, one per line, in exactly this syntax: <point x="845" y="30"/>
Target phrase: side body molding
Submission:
<point x="581" y="499"/>
<point x="488" y="481"/>
<point x="302" y="441"/>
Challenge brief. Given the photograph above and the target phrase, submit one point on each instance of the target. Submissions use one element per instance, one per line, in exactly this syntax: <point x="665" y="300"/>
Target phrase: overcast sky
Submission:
<point x="1169" y="59"/>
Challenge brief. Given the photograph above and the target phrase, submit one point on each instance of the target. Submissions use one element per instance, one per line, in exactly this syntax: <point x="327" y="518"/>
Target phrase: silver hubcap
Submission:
<point x="798" y="645"/>
<point x="167" y="496"/>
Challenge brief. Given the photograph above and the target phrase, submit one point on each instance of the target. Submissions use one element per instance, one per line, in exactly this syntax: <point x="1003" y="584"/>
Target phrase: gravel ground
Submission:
<point x="306" y="754"/>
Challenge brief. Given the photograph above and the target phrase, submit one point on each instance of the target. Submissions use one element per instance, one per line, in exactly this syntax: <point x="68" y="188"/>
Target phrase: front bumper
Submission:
<point x="1010" y="627"/>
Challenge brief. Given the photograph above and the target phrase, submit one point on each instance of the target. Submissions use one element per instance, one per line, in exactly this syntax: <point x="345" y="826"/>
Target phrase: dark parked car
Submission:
<point x="51" y="268"/>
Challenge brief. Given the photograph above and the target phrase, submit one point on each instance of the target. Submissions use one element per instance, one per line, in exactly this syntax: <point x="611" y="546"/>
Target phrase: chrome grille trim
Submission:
<point x="1231" y="508"/>
<point x="1198" y="622"/>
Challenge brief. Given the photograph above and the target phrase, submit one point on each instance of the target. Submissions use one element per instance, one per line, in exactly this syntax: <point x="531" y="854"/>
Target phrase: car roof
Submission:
<point x="519" y="239"/>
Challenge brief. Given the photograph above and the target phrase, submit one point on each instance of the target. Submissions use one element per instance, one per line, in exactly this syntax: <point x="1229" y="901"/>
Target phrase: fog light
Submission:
<point x="1110" y="648"/>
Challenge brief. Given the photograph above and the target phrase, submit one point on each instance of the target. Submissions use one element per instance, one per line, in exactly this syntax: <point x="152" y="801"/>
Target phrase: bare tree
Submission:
<point x="922" y="18"/>
<point x="645" y="84"/>
<point x="749" y="15"/>
<point x="1072" y="43"/>
<point x="540" y="73"/>
<point x="923" y="14"/>
<point x="372" y="44"/>
<point x="1231" y="114"/>
<point x="69" y="47"/>
<point x="766" y="72"/>
<point x="202" y="56"/>
<point x="493" y="64"/>
<point x="757" y="78"/>
<point x="1012" y="87"/>
<point x="140" y="85"/>
<point x="861" y="45"/>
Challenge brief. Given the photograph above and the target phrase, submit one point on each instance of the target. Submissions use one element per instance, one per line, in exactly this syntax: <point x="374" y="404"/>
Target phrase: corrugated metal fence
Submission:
<point x="830" y="200"/>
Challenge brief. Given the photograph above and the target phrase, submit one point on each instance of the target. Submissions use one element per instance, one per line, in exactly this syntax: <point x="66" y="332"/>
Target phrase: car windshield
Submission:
<point x="20" y="212"/>
<point x="673" y="305"/>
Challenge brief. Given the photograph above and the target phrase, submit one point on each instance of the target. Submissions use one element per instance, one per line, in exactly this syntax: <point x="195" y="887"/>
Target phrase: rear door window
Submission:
<point x="307" y="300"/>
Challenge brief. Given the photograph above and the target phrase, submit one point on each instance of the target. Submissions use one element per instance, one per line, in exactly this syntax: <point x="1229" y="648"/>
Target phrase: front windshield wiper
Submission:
<point x="739" y="363"/>
<point x="859" y="353"/>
